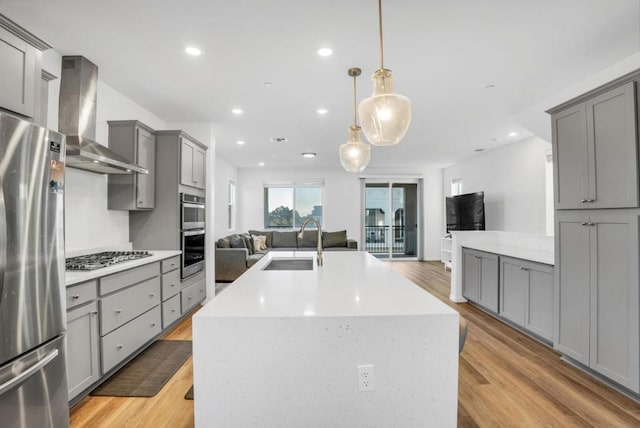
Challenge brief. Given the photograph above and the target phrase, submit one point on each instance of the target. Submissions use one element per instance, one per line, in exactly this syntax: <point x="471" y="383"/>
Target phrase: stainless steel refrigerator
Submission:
<point x="33" y="385"/>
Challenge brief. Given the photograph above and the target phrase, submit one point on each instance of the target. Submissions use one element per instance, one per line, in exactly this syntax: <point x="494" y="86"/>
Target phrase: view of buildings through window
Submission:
<point x="289" y="205"/>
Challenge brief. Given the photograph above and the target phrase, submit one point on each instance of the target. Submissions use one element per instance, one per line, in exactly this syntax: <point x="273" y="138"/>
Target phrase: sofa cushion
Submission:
<point x="248" y="242"/>
<point x="334" y="239"/>
<point x="236" y="241"/>
<point x="223" y="243"/>
<point x="310" y="239"/>
<point x="268" y="234"/>
<point x="284" y="239"/>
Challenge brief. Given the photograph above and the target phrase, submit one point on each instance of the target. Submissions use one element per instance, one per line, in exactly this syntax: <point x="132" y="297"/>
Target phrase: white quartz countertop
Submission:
<point x="75" y="277"/>
<point x="535" y="255"/>
<point x="349" y="284"/>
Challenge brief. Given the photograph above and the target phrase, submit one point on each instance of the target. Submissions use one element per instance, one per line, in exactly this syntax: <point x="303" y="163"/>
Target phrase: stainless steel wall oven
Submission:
<point x="192" y="235"/>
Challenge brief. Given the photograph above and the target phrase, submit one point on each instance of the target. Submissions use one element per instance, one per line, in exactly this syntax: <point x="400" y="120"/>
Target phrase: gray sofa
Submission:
<point x="235" y="253"/>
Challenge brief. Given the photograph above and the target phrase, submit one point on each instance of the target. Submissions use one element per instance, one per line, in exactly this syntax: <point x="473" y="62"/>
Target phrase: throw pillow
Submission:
<point x="334" y="239"/>
<point x="223" y="243"/>
<point x="236" y="241"/>
<point x="268" y="235"/>
<point x="248" y="242"/>
<point x="259" y="242"/>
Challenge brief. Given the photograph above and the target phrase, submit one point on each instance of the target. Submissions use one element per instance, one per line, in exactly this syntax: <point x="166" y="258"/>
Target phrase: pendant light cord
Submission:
<point x="380" y="28"/>
<point x="355" y="109"/>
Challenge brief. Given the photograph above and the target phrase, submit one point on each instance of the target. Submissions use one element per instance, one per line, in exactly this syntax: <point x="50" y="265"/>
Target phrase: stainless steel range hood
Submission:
<point x="77" y="119"/>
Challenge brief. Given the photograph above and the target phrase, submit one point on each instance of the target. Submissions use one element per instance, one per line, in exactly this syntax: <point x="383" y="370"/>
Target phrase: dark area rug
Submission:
<point x="189" y="394"/>
<point x="145" y="375"/>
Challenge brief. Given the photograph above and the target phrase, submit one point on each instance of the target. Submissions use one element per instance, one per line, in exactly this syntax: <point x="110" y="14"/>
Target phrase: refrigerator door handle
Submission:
<point x="29" y="372"/>
<point x="3" y="240"/>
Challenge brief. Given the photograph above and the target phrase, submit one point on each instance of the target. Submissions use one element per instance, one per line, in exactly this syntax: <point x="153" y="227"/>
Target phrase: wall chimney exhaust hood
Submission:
<point x="77" y="118"/>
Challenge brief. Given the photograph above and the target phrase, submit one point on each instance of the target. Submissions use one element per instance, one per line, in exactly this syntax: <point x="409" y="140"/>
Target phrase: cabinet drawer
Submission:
<point x="119" y="308"/>
<point x="121" y="280"/>
<point x="170" y="284"/>
<point x="170" y="264"/>
<point x="170" y="311"/>
<point x="121" y="343"/>
<point x="81" y="293"/>
<point x="192" y="295"/>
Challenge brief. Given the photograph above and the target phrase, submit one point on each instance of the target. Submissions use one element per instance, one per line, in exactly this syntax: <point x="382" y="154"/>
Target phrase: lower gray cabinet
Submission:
<point x="83" y="362"/>
<point x="480" y="278"/>
<point x="192" y="295"/>
<point x="598" y="320"/>
<point x="171" y="311"/>
<point x="526" y="295"/>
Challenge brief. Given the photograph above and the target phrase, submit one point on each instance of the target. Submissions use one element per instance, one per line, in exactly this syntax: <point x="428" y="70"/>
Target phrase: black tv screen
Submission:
<point x="465" y="212"/>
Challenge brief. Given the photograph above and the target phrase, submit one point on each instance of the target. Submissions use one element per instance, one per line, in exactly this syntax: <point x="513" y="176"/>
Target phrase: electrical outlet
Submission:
<point x="366" y="377"/>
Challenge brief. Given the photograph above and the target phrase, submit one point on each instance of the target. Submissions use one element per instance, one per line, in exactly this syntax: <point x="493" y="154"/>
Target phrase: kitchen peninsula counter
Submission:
<point x="283" y="348"/>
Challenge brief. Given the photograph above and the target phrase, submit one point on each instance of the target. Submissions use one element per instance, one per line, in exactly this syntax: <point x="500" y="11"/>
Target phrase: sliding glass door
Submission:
<point x="391" y="218"/>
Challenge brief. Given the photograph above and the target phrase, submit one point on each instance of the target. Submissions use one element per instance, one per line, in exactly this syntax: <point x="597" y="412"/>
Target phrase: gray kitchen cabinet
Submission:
<point x="83" y="359"/>
<point x="597" y="293"/>
<point x="595" y="148"/>
<point x="136" y="142"/>
<point x="526" y="295"/>
<point x="192" y="295"/>
<point x="480" y="278"/>
<point x="20" y="68"/>
<point x="119" y="308"/>
<point x="192" y="163"/>
<point x="171" y="311"/>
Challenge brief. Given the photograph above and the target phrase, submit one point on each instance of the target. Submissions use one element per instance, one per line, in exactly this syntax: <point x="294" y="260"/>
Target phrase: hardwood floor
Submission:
<point x="506" y="380"/>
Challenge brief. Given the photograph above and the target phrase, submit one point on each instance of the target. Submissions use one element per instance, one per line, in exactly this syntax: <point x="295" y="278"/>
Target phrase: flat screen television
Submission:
<point x="465" y="212"/>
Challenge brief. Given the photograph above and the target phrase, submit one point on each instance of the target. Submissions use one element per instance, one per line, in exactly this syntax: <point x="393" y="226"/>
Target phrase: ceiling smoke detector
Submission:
<point x="279" y="139"/>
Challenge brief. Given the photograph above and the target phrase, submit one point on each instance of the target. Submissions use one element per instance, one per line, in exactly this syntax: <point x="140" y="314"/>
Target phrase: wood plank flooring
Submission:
<point x="506" y="380"/>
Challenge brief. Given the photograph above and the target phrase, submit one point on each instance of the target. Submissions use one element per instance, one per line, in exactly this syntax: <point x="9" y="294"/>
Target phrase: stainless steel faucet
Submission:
<point x="319" y="258"/>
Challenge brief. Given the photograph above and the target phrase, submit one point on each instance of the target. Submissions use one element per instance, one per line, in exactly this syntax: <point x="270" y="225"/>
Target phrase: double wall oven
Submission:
<point x="192" y="234"/>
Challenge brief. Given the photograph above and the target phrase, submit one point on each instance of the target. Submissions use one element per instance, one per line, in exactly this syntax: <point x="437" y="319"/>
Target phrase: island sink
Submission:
<point x="289" y="264"/>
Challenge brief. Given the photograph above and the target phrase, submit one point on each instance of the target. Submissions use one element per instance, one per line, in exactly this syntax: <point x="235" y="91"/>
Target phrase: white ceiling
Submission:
<point x="442" y="52"/>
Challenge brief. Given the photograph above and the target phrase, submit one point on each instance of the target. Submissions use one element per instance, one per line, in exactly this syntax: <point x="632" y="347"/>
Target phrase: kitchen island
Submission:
<point x="350" y="343"/>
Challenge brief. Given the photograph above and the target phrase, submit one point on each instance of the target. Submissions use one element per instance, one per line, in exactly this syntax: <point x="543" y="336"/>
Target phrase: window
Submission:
<point x="289" y="204"/>
<point x="232" y="205"/>
<point x="456" y="186"/>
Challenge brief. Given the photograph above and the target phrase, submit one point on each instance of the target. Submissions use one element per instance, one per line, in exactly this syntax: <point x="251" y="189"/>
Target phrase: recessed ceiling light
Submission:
<point x="322" y="111"/>
<point x="236" y="111"/>
<point x="268" y="84"/>
<point x="193" y="51"/>
<point x="479" y="150"/>
<point x="490" y="86"/>
<point x="309" y="155"/>
<point x="240" y="142"/>
<point x="512" y="134"/>
<point x="325" y="51"/>
<point x="260" y="163"/>
<point x="279" y="139"/>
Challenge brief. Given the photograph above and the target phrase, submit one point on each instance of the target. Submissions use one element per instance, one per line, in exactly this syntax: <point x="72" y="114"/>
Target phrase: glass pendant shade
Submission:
<point x="354" y="154"/>
<point x="385" y="116"/>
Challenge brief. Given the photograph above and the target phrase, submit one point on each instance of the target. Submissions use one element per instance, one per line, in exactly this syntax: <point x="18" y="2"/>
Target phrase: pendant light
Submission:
<point x="354" y="154"/>
<point x="385" y="116"/>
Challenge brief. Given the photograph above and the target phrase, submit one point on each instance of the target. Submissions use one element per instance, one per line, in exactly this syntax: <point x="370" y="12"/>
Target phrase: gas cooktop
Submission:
<point x="104" y="259"/>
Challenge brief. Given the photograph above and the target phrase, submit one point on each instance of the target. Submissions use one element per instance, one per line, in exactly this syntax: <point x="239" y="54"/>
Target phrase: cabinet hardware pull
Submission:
<point x="119" y="347"/>
<point x="591" y="200"/>
<point x="591" y="224"/>
<point x="118" y="311"/>
<point x="173" y="285"/>
<point x="190" y="298"/>
<point x="94" y="312"/>
<point x="153" y="324"/>
<point x="152" y="295"/>
<point x="173" y="310"/>
<point x="75" y="296"/>
<point x="584" y="223"/>
<point x="524" y="268"/>
<point x="583" y="200"/>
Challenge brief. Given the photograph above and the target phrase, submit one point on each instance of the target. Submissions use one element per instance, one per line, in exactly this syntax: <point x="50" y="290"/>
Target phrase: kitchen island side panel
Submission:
<point x="285" y="371"/>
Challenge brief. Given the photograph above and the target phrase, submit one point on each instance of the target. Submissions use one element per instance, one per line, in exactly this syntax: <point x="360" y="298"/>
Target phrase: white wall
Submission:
<point x="224" y="172"/>
<point x="88" y="222"/>
<point x="513" y="181"/>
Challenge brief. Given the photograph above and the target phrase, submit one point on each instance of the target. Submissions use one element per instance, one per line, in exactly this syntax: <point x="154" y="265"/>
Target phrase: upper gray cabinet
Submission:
<point x="20" y="69"/>
<point x="192" y="163"/>
<point x="137" y="142"/>
<point x="595" y="145"/>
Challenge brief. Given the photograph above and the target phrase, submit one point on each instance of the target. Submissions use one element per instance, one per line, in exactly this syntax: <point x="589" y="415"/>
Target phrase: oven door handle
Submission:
<point x="193" y="232"/>
<point x="190" y="205"/>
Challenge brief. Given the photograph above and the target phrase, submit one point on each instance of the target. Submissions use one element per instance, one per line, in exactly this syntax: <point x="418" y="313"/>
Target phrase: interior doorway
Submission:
<point x="391" y="226"/>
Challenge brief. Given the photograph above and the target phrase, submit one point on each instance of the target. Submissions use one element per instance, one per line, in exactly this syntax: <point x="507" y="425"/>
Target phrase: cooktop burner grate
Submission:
<point x="104" y="259"/>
